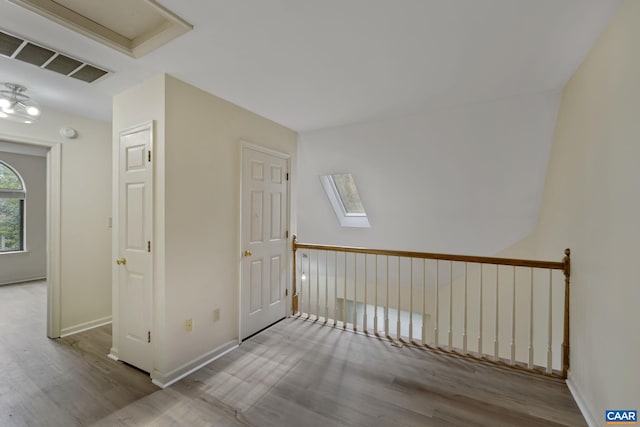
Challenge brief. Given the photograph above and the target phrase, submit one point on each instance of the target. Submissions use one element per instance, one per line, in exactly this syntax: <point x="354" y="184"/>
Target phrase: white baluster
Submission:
<point x="375" y="313"/>
<point x="496" y="349"/>
<point x="480" y="319"/>
<point x="424" y="301"/>
<point x="326" y="286"/>
<point x="437" y="320"/>
<point x="531" y="322"/>
<point x="309" y="286"/>
<point x="355" y="291"/>
<point x="513" y="320"/>
<point x="450" y="305"/>
<point x="344" y="305"/>
<point x="398" y="330"/>
<point x="317" y="285"/>
<point x="335" y="289"/>
<point x="550" y="333"/>
<point x="411" y="300"/>
<point x="364" y="317"/>
<point x="386" y="306"/>
<point x="302" y="280"/>
<point x="464" y="332"/>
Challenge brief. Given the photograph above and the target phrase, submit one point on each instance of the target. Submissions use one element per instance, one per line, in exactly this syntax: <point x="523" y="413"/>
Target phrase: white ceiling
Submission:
<point x="311" y="64"/>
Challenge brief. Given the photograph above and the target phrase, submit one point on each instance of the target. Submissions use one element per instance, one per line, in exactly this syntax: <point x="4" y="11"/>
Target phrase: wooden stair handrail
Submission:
<point x="555" y="265"/>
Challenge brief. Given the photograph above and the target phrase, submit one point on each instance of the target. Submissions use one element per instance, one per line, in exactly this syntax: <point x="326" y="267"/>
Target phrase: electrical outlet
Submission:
<point x="216" y="314"/>
<point x="188" y="325"/>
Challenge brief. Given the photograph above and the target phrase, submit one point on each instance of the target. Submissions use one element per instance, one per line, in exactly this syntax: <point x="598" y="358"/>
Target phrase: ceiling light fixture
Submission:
<point x="16" y="106"/>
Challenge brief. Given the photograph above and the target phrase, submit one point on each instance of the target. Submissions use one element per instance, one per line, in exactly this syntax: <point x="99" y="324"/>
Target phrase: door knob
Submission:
<point x="121" y="261"/>
<point x="247" y="253"/>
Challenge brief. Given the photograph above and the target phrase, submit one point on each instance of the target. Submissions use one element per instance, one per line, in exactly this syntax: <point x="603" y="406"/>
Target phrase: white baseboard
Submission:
<point x="16" y="282"/>
<point x="165" y="380"/>
<point x="581" y="402"/>
<point x="113" y="354"/>
<point x="65" y="332"/>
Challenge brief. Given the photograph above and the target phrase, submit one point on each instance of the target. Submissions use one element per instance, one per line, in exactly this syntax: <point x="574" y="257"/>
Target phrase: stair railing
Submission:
<point x="499" y="310"/>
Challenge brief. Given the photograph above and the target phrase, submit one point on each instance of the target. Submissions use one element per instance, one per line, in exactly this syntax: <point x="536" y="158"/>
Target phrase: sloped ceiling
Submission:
<point x="465" y="179"/>
<point x="311" y="64"/>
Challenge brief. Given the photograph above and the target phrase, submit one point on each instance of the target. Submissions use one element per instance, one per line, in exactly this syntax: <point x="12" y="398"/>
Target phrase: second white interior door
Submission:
<point x="264" y="240"/>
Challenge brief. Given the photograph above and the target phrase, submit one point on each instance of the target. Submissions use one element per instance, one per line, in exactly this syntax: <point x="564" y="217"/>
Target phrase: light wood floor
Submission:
<point x="296" y="373"/>
<point x="66" y="382"/>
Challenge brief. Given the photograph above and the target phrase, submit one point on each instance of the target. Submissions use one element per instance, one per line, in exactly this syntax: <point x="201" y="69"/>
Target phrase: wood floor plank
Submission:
<point x="296" y="373"/>
<point x="57" y="382"/>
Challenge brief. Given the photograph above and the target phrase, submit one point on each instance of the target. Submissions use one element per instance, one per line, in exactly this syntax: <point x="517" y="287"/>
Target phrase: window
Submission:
<point x="12" y="195"/>
<point x="345" y="199"/>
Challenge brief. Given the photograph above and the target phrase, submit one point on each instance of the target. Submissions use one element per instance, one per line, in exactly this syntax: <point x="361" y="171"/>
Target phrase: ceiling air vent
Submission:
<point x="34" y="54"/>
<point x="15" y="47"/>
<point x="9" y="44"/>
<point x="88" y="74"/>
<point x="63" y="64"/>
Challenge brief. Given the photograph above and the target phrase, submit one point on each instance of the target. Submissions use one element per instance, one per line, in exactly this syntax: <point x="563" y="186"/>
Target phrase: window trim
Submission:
<point x="357" y="220"/>
<point x="12" y="194"/>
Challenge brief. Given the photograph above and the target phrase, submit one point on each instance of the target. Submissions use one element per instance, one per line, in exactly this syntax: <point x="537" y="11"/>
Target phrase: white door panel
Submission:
<point x="135" y="182"/>
<point x="264" y="241"/>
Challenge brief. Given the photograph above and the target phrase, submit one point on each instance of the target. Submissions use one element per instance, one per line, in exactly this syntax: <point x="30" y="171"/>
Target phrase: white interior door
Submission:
<point x="135" y="181"/>
<point x="264" y="239"/>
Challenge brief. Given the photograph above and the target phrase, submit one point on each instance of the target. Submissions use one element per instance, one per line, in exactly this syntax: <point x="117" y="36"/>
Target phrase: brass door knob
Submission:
<point x="247" y="253"/>
<point x="121" y="261"/>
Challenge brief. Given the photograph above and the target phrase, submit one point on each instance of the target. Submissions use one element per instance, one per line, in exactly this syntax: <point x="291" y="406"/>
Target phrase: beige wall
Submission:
<point x="591" y="204"/>
<point x="203" y="135"/>
<point x="32" y="264"/>
<point x="197" y="184"/>
<point x="86" y="235"/>
<point x="85" y="298"/>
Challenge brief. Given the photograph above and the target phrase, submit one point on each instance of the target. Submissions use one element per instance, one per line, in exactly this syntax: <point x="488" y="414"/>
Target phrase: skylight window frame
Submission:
<point x="346" y="219"/>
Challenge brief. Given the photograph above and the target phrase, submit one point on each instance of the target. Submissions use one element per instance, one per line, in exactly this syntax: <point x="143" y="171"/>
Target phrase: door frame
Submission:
<point x="53" y="225"/>
<point x="244" y="144"/>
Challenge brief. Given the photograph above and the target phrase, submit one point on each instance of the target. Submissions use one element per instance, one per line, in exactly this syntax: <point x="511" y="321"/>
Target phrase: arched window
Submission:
<point x="12" y="195"/>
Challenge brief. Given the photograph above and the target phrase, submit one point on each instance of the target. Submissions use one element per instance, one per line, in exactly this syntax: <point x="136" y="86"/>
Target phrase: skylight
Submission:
<point x="344" y="198"/>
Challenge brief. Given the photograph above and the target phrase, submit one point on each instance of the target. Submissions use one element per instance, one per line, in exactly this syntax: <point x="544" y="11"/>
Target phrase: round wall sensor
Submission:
<point x="69" y="133"/>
